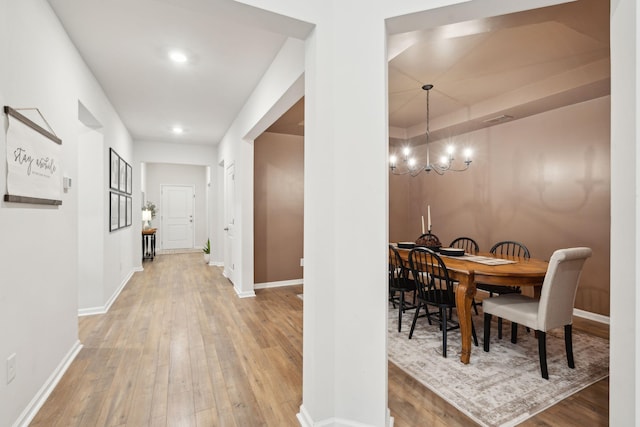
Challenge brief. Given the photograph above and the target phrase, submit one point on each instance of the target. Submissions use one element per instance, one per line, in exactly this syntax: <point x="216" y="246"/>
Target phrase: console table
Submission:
<point x="149" y="243"/>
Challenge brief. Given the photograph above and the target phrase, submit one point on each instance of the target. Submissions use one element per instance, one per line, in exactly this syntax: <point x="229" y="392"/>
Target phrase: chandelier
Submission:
<point x="409" y="165"/>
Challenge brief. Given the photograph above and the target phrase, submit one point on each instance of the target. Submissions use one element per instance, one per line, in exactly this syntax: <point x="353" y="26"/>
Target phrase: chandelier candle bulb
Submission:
<point x="422" y="224"/>
<point x="428" y="219"/>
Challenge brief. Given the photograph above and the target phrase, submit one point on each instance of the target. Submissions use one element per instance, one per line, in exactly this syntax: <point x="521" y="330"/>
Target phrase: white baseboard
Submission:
<point x="278" y="284"/>
<point x="105" y="308"/>
<point x="45" y="391"/>
<point x="247" y="294"/>
<point x="591" y="316"/>
<point x="305" y="420"/>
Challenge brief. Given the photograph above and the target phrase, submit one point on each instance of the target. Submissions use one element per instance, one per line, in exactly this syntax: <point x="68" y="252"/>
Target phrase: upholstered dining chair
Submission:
<point x="511" y="248"/>
<point x="400" y="283"/>
<point x="554" y="309"/>
<point x="435" y="289"/>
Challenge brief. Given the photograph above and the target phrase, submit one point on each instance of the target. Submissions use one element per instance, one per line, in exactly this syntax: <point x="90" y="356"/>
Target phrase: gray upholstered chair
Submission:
<point x="554" y="308"/>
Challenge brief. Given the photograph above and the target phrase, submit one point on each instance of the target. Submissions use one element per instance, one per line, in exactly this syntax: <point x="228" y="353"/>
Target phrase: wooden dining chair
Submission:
<point x="554" y="309"/>
<point x="467" y="243"/>
<point x="435" y="289"/>
<point x="510" y="248"/>
<point x="470" y="246"/>
<point x="400" y="283"/>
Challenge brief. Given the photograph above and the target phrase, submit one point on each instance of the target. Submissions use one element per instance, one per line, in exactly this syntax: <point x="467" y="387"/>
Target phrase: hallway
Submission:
<point x="179" y="348"/>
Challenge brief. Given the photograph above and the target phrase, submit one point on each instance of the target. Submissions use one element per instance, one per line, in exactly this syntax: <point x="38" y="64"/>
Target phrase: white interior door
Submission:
<point x="177" y="216"/>
<point x="229" y="220"/>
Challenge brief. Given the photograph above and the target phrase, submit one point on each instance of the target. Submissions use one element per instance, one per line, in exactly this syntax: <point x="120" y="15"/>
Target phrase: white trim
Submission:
<point x="247" y="294"/>
<point x="591" y="316"/>
<point x="47" y="388"/>
<point x="216" y="264"/>
<point x="305" y="420"/>
<point x="278" y="284"/>
<point x="105" y="308"/>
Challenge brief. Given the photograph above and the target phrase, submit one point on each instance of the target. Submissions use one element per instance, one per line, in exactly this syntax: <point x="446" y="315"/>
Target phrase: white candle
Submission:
<point x="422" y="224"/>
<point x="428" y="218"/>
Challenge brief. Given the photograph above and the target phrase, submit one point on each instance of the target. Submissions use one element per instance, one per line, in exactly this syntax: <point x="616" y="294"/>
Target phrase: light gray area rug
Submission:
<point x="503" y="387"/>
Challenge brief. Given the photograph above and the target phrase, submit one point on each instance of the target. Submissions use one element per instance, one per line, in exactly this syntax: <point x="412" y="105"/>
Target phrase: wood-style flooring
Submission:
<point x="179" y="348"/>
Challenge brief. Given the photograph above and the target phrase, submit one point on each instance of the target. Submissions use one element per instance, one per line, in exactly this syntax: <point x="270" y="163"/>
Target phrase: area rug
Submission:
<point x="503" y="387"/>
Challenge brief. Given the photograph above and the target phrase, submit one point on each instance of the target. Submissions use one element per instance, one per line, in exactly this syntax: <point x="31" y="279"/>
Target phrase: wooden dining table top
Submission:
<point x="522" y="272"/>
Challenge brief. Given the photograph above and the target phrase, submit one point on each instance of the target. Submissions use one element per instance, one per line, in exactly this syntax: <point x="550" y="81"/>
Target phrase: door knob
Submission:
<point x="226" y="229"/>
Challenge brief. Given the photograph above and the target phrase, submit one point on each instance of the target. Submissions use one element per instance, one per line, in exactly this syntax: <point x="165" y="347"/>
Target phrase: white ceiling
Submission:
<point x="514" y="65"/>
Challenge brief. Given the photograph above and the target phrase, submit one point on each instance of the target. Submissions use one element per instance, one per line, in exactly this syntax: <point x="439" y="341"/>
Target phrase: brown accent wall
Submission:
<point x="542" y="180"/>
<point x="278" y="207"/>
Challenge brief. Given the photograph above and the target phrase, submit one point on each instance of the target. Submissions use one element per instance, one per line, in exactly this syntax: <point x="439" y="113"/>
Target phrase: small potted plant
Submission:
<point x="206" y="249"/>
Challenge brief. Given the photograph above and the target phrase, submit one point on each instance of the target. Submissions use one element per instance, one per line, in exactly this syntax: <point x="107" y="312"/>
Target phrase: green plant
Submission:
<point x="150" y="206"/>
<point x="207" y="247"/>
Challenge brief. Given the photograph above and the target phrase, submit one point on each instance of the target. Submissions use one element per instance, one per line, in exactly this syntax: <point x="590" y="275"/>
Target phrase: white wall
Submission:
<point x="280" y="88"/>
<point x="39" y="245"/>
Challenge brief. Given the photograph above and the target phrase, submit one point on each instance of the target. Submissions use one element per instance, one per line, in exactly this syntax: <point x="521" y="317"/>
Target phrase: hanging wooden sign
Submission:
<point x="34" y="168"/>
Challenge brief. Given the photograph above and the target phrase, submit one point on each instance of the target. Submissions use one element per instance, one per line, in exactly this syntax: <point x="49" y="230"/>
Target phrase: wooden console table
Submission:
<point x="149" y="243"/>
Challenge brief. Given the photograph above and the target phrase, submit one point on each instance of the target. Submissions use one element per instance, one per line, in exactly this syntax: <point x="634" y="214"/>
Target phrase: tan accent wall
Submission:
<point x="278" y="207"/>
<point x="543" y="180"/>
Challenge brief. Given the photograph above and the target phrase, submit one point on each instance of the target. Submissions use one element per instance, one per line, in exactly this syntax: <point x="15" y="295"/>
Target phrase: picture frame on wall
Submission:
<point x="114" y="169"/>
<point x="122" y="211"/>
<point x="114" y="211"/>
<point x="129" y="212"/>
<point x="122" y="179"/>
<point x="129" y="188"/>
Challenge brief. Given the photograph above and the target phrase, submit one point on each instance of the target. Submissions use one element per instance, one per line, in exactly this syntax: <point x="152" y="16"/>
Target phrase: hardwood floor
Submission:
<point x="179" y="348"/>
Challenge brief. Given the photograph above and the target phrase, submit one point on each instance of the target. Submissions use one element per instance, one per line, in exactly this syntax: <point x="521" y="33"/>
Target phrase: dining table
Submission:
<point x="490" y="269"/>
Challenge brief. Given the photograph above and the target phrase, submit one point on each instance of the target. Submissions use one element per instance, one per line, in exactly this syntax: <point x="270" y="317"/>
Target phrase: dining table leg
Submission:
<point x="465" y="293"/>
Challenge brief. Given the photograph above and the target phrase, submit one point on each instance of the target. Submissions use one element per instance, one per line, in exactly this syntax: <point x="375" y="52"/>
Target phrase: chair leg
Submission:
<point x="415" y="318"/>
<point x="475" y="306"/>
<point x="443" y="314"/>
<point x="487" y="330"/>
<point x="568" y="343"/>
<point x="400" y="310"/>
<point x="542" y="349"/>
<point x="473" y="334"/>
<point x="514" y="332"/>
<point x="499" y="327"/>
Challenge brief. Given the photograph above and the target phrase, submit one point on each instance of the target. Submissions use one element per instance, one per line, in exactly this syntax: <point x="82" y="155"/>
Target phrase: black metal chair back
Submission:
<point x="509" y="247"/>
<point x="467" y="243"/>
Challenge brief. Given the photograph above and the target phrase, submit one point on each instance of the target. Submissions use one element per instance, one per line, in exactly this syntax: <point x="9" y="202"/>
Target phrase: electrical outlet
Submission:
<point x="11" y="368"/>
<point x="301" y="262"/>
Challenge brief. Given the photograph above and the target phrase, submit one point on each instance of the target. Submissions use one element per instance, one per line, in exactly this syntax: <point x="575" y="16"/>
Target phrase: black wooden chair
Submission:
<point x="467" y="243"/>
<point x="435" y="289"/>
<point x="399" y="283"/>
<point x="470" y="246"/>
<point x="511" y="248"/>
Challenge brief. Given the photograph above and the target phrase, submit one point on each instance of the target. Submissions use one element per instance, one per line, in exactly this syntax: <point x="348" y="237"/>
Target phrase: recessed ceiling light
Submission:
<point x="177" y="130"/>
<point x="177" y="56"/>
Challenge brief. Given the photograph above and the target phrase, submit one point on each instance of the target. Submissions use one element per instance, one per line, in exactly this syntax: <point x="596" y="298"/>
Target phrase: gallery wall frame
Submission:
<point x="114" y="210"/>
<point x="120" y="191"/>
<point x="114" y="169"/>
